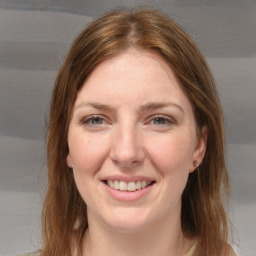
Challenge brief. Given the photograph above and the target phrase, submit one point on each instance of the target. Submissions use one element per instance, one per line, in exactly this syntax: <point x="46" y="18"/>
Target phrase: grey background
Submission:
<point x="34" y="37"/>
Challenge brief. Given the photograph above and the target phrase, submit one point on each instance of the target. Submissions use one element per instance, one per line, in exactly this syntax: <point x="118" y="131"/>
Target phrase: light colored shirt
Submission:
<point x="191" y="250"/>
<point x="189" y="253"/>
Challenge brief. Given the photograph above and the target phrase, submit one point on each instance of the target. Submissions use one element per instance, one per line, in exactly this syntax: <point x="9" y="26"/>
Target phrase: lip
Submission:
<point x="128" y="196"/>
<point x="127" y="178"/>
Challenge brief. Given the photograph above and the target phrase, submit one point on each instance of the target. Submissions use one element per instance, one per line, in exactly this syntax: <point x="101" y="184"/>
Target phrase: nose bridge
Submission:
<point x="126" y="147"/>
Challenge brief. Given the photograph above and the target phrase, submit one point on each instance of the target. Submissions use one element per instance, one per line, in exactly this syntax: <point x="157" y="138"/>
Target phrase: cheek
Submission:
<point x="171" y="154"/>
<point x="171" y="158"/>
<point x="87" y="153"/>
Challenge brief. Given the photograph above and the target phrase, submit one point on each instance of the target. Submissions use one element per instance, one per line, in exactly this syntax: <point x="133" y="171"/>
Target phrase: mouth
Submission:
<point x="130" y="186"/>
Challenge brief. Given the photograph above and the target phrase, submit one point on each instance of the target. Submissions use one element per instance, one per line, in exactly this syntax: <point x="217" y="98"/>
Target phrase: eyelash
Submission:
<point x="167" y="120"/>
<point x="86" y="121"/>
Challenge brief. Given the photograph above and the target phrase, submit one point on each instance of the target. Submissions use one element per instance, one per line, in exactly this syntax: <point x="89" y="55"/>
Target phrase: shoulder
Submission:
<point x="231" y="252"/>
<point x="193" y="248"/>
<point x="26" y="254"/>
<point x="29" y="254"/>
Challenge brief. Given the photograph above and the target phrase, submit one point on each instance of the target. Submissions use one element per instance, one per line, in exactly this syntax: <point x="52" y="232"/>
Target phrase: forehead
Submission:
<point x="132" y="77"/>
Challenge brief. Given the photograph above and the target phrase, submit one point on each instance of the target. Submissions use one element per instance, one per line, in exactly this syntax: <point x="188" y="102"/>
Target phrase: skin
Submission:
<point x="132" y="118"/>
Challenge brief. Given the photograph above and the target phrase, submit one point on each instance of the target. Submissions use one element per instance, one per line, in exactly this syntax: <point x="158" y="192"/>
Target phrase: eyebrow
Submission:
<point x="96" y="105"/>
<point x="145" y="107"/>
<point x="156" y="105"/>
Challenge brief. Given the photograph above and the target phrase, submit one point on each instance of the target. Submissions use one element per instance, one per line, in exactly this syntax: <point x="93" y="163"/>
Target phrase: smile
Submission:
<point x="128" y="186"/>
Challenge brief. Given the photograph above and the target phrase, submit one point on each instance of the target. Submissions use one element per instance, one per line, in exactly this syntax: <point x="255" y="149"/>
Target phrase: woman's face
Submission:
<point x="132" y="142"/>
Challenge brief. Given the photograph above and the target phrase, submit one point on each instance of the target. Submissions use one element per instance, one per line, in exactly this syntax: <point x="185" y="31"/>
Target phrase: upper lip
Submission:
<point x="127" y="178"/>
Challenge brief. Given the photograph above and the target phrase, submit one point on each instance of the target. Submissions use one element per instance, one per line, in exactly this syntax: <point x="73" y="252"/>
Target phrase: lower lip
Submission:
<point x="127" y="195"/>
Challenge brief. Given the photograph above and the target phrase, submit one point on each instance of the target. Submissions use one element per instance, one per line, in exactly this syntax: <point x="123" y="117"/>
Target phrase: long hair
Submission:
<point x="64" y="218"/>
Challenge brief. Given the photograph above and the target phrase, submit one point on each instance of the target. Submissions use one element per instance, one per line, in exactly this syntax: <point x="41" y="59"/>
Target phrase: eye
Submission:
<point x="93" y="121"/>
<point x="161" y="120"/>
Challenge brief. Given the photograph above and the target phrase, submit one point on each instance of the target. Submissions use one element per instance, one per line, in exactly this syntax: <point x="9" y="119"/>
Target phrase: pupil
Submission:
<point x="96" y="120"/>
<point x="159" y="121"/>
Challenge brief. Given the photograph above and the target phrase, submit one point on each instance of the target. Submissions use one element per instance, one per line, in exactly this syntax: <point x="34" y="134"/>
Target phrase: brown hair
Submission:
<point x="203" y="215"/>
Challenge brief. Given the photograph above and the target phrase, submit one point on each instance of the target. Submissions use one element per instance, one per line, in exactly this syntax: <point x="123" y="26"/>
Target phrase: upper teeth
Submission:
<point x="128" y="186"/>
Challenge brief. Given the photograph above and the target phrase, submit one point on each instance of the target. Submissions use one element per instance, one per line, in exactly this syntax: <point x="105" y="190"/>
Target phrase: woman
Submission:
<point x="135" y="145"/>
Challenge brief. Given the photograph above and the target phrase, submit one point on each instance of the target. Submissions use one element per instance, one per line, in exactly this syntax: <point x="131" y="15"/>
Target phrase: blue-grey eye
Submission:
<point x="96" y="120"/>
<point x="160" y="121"/>
<point x="93" y="121"/>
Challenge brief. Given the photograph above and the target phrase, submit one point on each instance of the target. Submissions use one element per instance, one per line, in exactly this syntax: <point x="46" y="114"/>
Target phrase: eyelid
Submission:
<point x="169" y="119"/>
<point x="87" y="119"/>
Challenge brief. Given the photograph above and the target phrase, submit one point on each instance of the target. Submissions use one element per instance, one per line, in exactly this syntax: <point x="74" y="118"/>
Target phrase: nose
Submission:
<point x="126" y="150"/>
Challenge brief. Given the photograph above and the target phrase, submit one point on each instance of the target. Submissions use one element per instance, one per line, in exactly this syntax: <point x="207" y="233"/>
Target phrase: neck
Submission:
<point x="160" y="239"/>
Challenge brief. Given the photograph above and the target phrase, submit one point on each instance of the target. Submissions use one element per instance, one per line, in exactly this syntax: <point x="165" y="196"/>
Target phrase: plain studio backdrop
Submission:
<point x="34" y="37"/>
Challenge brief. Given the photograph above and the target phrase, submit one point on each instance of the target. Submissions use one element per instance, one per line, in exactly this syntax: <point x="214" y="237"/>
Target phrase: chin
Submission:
<point x="127" y="221"/>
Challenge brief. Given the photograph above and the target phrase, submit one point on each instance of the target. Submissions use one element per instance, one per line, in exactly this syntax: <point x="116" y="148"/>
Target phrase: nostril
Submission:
<point x="127" y="154"/>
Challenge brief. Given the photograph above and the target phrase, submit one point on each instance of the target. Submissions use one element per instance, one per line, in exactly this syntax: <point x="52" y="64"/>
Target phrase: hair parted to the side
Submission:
<point x="64" y="219"/>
